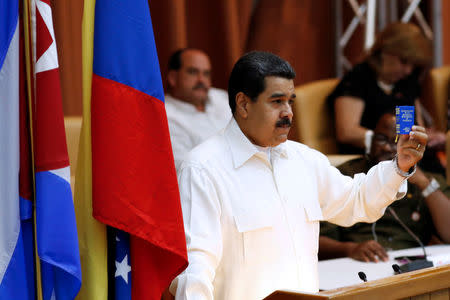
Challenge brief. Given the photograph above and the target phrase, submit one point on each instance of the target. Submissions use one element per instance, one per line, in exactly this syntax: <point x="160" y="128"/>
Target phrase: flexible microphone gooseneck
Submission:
<point x="416" y="264"/>
<point x="394" y="214"/>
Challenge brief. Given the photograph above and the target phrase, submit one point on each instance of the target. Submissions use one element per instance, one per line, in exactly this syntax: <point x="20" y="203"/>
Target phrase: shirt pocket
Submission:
<point x="313" y="214"/>
<point x="313" y="211"/>
<point x="256" y="230"/>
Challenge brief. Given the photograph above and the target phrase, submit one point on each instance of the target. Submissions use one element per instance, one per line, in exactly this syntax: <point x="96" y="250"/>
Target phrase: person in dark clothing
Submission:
<point x="425" y="209"/>
<point x="389" y="76"/>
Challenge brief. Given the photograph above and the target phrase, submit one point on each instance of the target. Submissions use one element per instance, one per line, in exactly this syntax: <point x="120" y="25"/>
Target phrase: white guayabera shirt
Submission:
<point x="189" y="127"/>
<point x="252" y="226"/>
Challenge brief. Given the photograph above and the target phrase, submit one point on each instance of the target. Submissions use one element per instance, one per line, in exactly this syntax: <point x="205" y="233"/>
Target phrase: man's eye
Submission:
<point x="192" y="71"/>
<point x="291" y="102"/>
<point x="278" y="101"/>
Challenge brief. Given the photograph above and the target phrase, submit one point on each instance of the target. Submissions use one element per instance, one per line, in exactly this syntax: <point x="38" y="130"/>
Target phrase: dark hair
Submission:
<point x="175" y="59"/>
<point x="249" y="72"/>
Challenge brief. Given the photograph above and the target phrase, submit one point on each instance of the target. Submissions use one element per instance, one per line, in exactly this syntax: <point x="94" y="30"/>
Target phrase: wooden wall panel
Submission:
<point x="440" y="295"/>
<point x="301" y="31"/>
<point x="218" y="27"/>
<point x="67" y="17"/>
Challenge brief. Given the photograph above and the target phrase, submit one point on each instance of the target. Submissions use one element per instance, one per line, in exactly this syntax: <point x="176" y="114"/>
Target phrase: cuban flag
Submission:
<point x="134" y="185"/>
<point x="56" y="233"/>
<point x="34" y="102"/>
<point x="16" y="259"/>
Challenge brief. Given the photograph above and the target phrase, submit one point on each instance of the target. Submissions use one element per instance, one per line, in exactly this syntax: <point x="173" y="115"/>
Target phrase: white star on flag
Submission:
<point x="49" y="59"/>
<point x="123" y="268"/>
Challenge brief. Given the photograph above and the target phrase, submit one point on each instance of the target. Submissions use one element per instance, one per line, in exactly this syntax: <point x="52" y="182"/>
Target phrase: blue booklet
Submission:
<point x="404" y="116"/>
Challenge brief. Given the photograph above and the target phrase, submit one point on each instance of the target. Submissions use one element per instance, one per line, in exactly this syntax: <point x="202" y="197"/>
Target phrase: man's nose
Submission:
<point x="390" y="147"/>
<point x="287" y="111"/>
<point x="203" y="78"/>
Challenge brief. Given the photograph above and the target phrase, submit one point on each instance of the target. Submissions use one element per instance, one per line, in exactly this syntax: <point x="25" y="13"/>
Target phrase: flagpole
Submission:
<point x="30" y="94"/>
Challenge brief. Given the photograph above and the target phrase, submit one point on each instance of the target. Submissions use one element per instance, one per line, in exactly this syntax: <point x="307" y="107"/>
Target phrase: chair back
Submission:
<point x="439" y="90"/>
<point x="447" y="152"/>
<point x="313" y="118"/>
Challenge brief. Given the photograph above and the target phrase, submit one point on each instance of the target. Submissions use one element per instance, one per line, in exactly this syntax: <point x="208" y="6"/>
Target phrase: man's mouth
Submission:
<point x="200" y="87"/>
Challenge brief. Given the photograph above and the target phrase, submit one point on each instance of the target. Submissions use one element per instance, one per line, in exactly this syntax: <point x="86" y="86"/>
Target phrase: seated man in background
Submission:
<point x="425" y="210"/>
<point x="195" y="110"/>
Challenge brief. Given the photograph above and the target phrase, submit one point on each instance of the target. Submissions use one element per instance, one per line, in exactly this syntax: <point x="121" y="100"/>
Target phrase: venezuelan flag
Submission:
<point x="128" y="155"/>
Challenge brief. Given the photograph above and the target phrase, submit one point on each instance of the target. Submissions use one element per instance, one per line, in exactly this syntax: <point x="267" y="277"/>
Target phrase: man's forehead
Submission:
<point x="279" y="84"/>
<point x="195" y="58"/>
<point x="274" y="78"/>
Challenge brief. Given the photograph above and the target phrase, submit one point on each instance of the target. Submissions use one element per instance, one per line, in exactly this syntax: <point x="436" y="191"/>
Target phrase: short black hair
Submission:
<point x="249" y="72"/>
<point x="175" y="59"/>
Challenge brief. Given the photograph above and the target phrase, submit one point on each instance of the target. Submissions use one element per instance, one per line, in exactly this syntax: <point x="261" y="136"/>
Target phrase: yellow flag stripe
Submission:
<point x="91" y="233"/>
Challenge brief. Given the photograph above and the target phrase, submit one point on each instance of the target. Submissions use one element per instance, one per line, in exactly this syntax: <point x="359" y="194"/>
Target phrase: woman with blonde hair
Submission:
<point x="389" y="75"/>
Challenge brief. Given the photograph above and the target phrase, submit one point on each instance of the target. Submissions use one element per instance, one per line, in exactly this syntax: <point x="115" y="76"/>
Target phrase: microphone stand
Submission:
<point x="415" y="264"/>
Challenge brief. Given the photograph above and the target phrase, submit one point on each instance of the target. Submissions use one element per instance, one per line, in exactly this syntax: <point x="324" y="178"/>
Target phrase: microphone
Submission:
<point x="397" y="269"/>
<point x="362" y="276"/>
<point x="416" y="264"/>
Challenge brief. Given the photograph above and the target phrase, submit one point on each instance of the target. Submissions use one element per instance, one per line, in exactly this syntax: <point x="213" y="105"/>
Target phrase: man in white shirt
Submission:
<point x="252" y="200"/>
<point x="195" y="110"/>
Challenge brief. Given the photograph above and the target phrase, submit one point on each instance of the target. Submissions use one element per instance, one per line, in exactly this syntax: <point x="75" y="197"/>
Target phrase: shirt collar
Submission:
<point x="242" y="149"/>
<point x="281" y="150"/>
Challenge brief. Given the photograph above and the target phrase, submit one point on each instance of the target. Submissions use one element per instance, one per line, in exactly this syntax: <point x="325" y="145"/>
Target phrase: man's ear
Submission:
<point x="172" y="78"/>
<point x="242" y="101"/>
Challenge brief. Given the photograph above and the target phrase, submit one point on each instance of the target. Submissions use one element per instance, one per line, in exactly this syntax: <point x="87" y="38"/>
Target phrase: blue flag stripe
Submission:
<point x="18" y="282"/>
<point x="57" y="237"/>
<point x="9" y="15"/>
<point x="114" y="58"/>
<point x="122" y="257"/>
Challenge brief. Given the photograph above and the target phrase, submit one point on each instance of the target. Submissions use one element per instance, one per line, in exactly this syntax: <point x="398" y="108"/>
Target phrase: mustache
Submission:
<point x="283" y="122"/>
<point x="200" y="86"/>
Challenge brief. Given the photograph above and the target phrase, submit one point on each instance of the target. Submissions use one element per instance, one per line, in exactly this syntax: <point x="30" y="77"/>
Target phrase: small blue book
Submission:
<point x="404" y="116"/>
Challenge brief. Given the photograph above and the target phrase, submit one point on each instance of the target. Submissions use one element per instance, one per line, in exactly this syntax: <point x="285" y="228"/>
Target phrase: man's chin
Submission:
<point x="281" y="138"/>
<point x="397" y="78"/>
<point x="275" y="141"/>
<point x="200" y="93"/>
